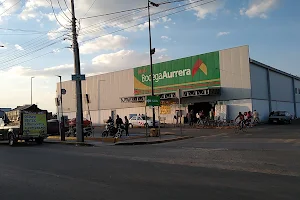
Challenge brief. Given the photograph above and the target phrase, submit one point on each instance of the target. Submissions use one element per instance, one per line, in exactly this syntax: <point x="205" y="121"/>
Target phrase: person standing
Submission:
<point x="255" y="116"/>
<point x="126" y="125"/>
<point x="211" y="114"/>
<point x="119" y="121"/>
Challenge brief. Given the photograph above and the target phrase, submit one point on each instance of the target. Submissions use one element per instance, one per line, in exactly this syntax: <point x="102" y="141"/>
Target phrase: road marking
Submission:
<point x="206" y="149"/>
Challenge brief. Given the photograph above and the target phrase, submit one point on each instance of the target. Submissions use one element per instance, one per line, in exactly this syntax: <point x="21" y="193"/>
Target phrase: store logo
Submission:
<point x="199" y="65"/>
<point x="174" y="74"/>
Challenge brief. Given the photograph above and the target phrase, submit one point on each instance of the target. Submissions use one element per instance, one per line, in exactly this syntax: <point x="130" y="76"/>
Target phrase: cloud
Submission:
<point x="8" y="8"/>
<point x="65" y="69"/>
<point x="18" y="47"/>
<point x="207" y="9"/>
<point x="109" y="42"/>
<point x="124" y="59"/>
<point x="259" y="8"/>
<point x="222" y="34"/>
<point x="160" y="50"/>
<point x="96" y="26"/>
<point x="31" y="7"/>
<point x="165" y="38"/>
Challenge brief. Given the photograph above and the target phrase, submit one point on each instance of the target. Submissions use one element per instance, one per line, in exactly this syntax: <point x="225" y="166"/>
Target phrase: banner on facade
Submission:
<point x="186" y="73"/>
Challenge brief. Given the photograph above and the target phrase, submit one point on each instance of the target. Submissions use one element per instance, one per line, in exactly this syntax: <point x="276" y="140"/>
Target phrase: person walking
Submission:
<point x="126" y="125"/>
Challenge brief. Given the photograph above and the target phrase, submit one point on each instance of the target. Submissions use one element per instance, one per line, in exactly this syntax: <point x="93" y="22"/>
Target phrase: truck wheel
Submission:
<point x="11" y="140"/>
<point x="39" y="140"/>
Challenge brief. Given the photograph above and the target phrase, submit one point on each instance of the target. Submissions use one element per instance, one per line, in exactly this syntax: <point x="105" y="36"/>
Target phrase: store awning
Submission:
<point x="173" y="95"/>
<point x="201" y="92"/>
<point x="141" y="99"/>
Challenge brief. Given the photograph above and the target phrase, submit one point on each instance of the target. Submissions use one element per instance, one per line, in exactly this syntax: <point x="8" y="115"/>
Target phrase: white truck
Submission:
<point x="31" y="125"/>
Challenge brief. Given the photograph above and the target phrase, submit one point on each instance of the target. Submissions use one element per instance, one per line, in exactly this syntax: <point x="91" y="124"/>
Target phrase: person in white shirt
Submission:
<point x="255" y="116"/>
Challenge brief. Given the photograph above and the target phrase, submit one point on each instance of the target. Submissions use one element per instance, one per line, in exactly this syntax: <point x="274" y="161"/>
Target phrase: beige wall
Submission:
<point x="235" y="73"/>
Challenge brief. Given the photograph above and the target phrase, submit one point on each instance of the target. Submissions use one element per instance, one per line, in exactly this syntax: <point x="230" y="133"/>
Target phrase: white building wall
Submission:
<point x="281" y="87"/>
<point x="298" y="109"/>
<point x="297" y="92"/>
<point x="262" y="107"/>
<point x="283" y="106"/>
<point x="236" y="106"/>
<point x="259" y="82"/>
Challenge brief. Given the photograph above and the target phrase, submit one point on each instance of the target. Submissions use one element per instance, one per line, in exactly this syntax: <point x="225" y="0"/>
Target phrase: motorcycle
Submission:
<point x="87" y="131"/>
<point x="110" y="130"/>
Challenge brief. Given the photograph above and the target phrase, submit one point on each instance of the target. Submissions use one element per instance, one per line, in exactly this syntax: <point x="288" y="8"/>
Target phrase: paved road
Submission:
<point x="216" y="164"/>
<point x="142" y="172"/>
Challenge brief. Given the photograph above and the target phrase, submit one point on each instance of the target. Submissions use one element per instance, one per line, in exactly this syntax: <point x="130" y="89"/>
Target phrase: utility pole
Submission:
<point x="79" y="113"/>
<point x="62" y="119"/>
<point x="152" y="51"/>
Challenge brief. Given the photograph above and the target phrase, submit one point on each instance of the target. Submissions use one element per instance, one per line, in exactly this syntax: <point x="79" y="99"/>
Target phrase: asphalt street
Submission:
<point x="214" y="165"/>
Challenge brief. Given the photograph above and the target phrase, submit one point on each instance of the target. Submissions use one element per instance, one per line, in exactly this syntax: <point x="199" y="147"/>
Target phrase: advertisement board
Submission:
<point x="34" y="123"/>
<point x="193" y="72"/>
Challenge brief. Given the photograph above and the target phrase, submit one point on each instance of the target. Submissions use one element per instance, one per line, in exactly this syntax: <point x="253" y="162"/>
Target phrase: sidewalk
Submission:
<point x="153" y="140"/>
<point x="136" y="139"/>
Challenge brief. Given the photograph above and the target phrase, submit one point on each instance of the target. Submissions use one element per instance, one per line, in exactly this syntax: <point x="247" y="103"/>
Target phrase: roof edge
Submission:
<point x="273" y="69"/>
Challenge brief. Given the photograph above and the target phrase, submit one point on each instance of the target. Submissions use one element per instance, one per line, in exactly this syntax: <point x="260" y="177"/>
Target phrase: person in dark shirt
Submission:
<point x="126" y="125"/>
<point x="119" y="121"/>
<point x="110" y="120"/>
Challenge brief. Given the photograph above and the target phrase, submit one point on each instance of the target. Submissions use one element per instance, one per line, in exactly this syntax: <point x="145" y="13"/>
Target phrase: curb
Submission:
<point x="106" y="139"/>
<point x="70" y="143"/>
<point x="154" y="142"/>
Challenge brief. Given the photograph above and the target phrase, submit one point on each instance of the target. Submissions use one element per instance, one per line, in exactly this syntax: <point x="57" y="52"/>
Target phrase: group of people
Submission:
<point x="248" y="117"/>
<point x="195" y="117"/>
<point x="120" y="122"/>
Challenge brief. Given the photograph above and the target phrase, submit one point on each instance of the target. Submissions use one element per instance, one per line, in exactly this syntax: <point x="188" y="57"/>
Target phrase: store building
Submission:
<point x="226" y="77"/>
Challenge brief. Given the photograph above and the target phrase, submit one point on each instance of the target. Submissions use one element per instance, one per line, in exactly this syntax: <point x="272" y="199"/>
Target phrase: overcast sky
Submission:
<point x="36" y="44"/>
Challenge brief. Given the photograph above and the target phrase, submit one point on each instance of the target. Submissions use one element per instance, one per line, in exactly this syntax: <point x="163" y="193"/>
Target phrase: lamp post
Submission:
<point x="31" y="88"/>
<point x="62" y="121"/>
<point x="152" y="51"/>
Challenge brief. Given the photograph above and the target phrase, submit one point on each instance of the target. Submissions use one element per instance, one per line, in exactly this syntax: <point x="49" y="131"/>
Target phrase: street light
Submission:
<point x="31" y="88"/>
<point x="152" y="51"/>
<point x="62" y="121"/>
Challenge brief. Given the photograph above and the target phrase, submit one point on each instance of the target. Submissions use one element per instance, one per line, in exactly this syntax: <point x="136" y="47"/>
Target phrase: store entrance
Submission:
<point x="197" y="107"/>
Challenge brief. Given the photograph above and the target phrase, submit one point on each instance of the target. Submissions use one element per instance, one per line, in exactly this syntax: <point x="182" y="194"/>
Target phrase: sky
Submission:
<point x="36" y="38"/>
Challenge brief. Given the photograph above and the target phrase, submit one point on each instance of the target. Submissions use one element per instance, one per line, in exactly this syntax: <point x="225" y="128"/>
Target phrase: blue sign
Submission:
<point x="78" y="77"/>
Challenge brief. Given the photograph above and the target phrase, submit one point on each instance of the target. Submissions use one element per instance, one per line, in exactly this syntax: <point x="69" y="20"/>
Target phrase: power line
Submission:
<point x="5" y="68"/>
<point x="55" y="14"/>
<point x="48" y="45"/>
<point x="168" y="2"/>
<point x="2" y="2"/>
<point x="128" y="21"/>
<point x="151" y="20"/>
<point x="67" y="6"/>
<point x="89" y="8"/>
<point x="29" y="43"/>
<point x="27" y="30"/>
<point x="63" y="11"/>
<point x="115" y="19"/>
<point x="122" y="11"/>
<point x="9" y="7"/>
<point x="30" y="51"/>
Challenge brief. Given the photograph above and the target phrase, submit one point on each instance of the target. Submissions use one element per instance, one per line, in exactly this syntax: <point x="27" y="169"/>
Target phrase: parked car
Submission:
<point x="280" y="117"/>
<point x="140" y="121"/>
<point x="53" y="127"/>
<point x="86" y="122"/>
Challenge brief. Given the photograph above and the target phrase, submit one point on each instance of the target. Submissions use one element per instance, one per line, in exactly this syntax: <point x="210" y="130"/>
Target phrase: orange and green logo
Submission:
<point x="186" y="73"/>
